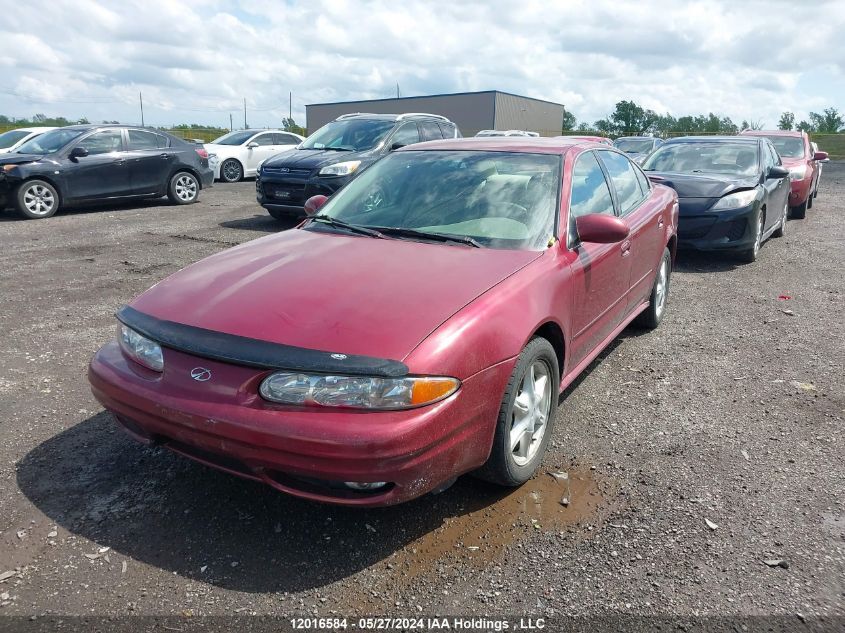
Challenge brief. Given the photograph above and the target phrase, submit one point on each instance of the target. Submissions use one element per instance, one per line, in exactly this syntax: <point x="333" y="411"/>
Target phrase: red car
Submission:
<point x="590" y="139"/>
<point x="378" y="351"/>
<point x="803" y="163"/>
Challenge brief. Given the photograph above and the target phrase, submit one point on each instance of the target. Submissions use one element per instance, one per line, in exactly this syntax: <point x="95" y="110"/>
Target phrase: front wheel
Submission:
<point x="184" y="188"/>
<point x="800" y="212"/>
<point x="783" y="218"/>
<point x="526" y="417"/>
<point x="231" y="170"/>
<point x="36" y="199"/>
<point x="750" y="255"/>
<point x="650" y="317"/>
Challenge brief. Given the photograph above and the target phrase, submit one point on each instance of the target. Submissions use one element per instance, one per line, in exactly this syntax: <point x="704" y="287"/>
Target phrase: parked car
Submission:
<point x="371" y="355"/>
<point x="638" y="147"/>
<point x="84" y="163"/>
<point x="337" y="153"/>
<point x="10" y="141"/>
<point x="236" y="155"/>
<point x="733" y="191"/>
<point x="798" y="156"/>
<point x="590" y="139"/>
<point x="820" y="162"/>
<point x="506" y="133"/>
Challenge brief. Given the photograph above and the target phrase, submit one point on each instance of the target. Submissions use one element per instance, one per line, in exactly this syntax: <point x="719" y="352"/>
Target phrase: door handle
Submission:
<point x="626" y="248"/>
<point x="660" y="222"/>
<point x="165" y="156"/>
<point x="120" y="161"/>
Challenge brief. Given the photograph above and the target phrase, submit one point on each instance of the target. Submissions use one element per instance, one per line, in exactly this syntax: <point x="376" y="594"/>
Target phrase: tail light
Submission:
<point x="202" y="153"/>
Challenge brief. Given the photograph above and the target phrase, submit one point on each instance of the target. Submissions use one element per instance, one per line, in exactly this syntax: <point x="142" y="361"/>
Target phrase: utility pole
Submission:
<point x="290" y="105"/>
<point x="245" y="125"/>
<point x="141" y="100"/>
<point x="397" y="90"/>
<point x="231" y="125"/>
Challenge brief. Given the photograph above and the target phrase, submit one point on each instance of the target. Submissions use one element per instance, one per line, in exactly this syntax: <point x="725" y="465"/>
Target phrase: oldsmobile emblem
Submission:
<point x="201" y="374"/>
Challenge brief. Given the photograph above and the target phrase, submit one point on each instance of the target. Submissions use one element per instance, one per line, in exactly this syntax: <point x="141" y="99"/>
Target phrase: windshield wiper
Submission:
<point x="333" y="149"/>
<point x="440" y="237"/>
<point x="354" y="228"/>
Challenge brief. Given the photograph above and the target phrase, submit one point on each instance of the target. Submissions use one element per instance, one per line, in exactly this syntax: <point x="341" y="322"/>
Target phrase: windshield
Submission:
<point x="7" y="139"/>
<point x="352" y="134"/>
<point x="50" y="142"/>
<point x="736" y="159"/>
<point x="634" y="145"/>
<point x="499" y="199"/>
<point x="788" y="146"/>
<point x="234" y="138"/>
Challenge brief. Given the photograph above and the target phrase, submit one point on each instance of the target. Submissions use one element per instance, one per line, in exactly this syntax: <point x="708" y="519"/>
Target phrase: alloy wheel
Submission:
<point x="231" y="171"/>
<point x="39" y="200"/>
<point x="661" y="287"/>
<point x="186" y="188"/>
<point x="758" y="240"/>
<point x="530" y="414"/>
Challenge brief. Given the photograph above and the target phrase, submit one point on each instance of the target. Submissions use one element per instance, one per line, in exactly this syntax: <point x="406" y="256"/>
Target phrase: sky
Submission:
<point x="195" y="61"/>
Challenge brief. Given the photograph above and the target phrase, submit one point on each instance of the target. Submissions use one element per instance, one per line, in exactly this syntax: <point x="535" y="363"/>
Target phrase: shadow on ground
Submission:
<point x="10" y="215"/>
<point x="171" y="513"/>
<point x="696" y="262"/>
<point x="263" y="222"/>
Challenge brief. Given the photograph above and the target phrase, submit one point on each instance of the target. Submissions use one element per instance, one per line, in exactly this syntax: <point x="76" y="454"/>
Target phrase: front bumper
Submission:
<point x="718" y="230"/>
<point x="289" y="193"/>
<point x="302" y="451"/>
<point x="799" y="191"/>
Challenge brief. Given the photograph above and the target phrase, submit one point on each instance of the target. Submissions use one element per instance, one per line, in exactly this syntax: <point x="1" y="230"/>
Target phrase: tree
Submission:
<point x="787" y="121"/>
<point x="753" y="125"/>
<point x="569" y="121"/>
<point x="289" y="125"/>
<point x="805" y="126"/>
<point x="630" y="119"/>
<point x="829" y="122"/>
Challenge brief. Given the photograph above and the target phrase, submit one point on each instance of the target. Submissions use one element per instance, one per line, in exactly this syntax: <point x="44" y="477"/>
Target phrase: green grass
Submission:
<point x="833" y="144"/>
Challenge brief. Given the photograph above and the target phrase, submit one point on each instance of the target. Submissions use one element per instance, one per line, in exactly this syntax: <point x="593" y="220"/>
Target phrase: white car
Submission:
<point x="506" y="133"/>
<point x="236" y="155"/>
<point x="11" y="140"/>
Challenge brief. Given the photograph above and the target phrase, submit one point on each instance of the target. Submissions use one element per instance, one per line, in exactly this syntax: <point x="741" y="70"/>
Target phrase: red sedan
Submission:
<point x="393" y="342"/>
<point x="803" y="163"/>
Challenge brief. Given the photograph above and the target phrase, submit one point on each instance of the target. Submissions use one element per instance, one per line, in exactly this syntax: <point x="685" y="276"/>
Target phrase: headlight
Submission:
<point x="359" y="392"/>
<point x="8" y="167"/>
<point x="341" y="169"/>
<point x="735" y="200"/>
<point x="140" y="349"/>
<point x="258" y="168"/>
<point x="798" y="172"/>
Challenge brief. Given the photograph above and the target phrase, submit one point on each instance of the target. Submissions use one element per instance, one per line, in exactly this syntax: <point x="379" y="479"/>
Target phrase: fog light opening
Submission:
<point x="365" y="485"/>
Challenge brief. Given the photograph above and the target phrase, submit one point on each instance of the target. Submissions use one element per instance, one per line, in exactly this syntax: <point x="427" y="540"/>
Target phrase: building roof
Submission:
<point x="527" y="144"/>
<point x="446" y="94"/>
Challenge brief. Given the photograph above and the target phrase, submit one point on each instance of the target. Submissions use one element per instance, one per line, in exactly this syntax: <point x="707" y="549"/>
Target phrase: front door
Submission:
<point x="266" y="148"/>
<point x="600" y="276"/>
<point x="104" y="172"/>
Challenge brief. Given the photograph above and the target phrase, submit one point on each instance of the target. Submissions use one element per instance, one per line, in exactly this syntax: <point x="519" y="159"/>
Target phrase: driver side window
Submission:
<point x="103" y="142"/>
<point x="408" y="134"/>
<point x="590" y="193"/>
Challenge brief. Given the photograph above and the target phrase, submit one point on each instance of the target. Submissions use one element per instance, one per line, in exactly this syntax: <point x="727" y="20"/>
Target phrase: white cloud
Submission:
<point x="196" y="61"/>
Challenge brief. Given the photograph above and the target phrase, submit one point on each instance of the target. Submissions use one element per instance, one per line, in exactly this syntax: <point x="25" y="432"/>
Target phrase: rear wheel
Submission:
<point x="36" y="199"/>
<point x="184" y="188"/>
<point x="231" y="170"/>
<point x="810" y="201"/>
<point x="799" y="212"/>
<point x="750" y="255"/>
<point x="782" y="227"/>
<point x="526" y="417"/>
<point x="650" y="317"/>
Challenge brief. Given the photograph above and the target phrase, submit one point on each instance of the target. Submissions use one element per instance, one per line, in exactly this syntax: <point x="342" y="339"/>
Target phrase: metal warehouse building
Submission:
<point x="472" y="111"/>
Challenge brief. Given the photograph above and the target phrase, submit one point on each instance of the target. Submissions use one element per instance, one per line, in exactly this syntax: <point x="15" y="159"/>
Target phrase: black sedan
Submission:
<point x="733" y="191"/>
<point x="85" y="163"/>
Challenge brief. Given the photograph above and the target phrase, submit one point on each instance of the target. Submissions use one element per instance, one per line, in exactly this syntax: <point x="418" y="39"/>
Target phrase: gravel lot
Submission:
<point x="731" y="412"/>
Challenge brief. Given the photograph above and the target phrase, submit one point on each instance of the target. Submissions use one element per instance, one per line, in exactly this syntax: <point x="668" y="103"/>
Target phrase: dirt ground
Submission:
<point x="696" y="453"/>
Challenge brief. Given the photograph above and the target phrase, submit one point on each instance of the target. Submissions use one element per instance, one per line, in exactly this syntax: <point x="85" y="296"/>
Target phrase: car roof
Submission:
<point x="392" y="117"/>
<point x="525" y="144"/>
<point x="32" y="129"/>
<point x="711" y="139"/>
<point x="793" y="133"/>
<point x="622" y="138"/>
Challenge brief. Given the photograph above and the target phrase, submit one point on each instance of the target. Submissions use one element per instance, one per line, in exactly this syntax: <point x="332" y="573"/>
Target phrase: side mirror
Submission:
<point x="601" y="228"/>
<point x="78" y="152"/>
<point x="820" y="156"/>
<point x="252" y="145"/>
<point x="777" y="172"/>
<point x="313" y="204"/>
<point x="396" y="146"/>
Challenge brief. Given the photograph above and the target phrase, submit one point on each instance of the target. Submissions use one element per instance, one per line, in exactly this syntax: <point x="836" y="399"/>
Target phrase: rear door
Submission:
<point x="104" y="172"/>
<point x="600" y="276"/>
<point x="632" y="192"/>
<point x="151" y="159"/>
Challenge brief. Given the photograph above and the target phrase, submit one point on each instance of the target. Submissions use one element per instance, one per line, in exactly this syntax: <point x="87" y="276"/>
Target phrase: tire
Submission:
<point x="650" y="317"/>
<point x="799" y="212"/>
<point x="184" y="188"/>
<point x="782" y="228"/>
<point x="231" y="170"/>
<point x="513" y="465"/>
<point x="810" y="201"/>
<point x="750" y="255"/>
<point x="36" y="200"/>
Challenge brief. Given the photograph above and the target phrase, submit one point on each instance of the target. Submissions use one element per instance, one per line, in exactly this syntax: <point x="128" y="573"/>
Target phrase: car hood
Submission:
<point x="312" y="158"/>
<point x="18" y="159"/>
<point x="701" y="186"/>
<point x="793" y="162"/>
<point x="331" y="292"/>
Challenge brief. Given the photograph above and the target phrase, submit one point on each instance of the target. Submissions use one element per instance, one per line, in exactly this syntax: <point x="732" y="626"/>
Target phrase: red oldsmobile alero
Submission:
<point x="393" y="342"/>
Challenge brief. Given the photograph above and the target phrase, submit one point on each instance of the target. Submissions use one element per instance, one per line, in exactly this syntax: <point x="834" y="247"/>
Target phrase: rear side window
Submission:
<point x="448" y="129"/>
<point x="430" y="131"/>
<point x="141" y="139"/>
<point x="103" y="142"/>
<point x="285" y="139"/>
<point x="590" y="193"/>
<point x="407" y="134"/>
<point x="623" y="175"/>
<point x="263" y="139"/>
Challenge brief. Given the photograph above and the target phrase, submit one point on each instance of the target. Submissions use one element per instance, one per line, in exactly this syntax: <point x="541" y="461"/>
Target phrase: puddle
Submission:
<point x="475" y="537"/>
